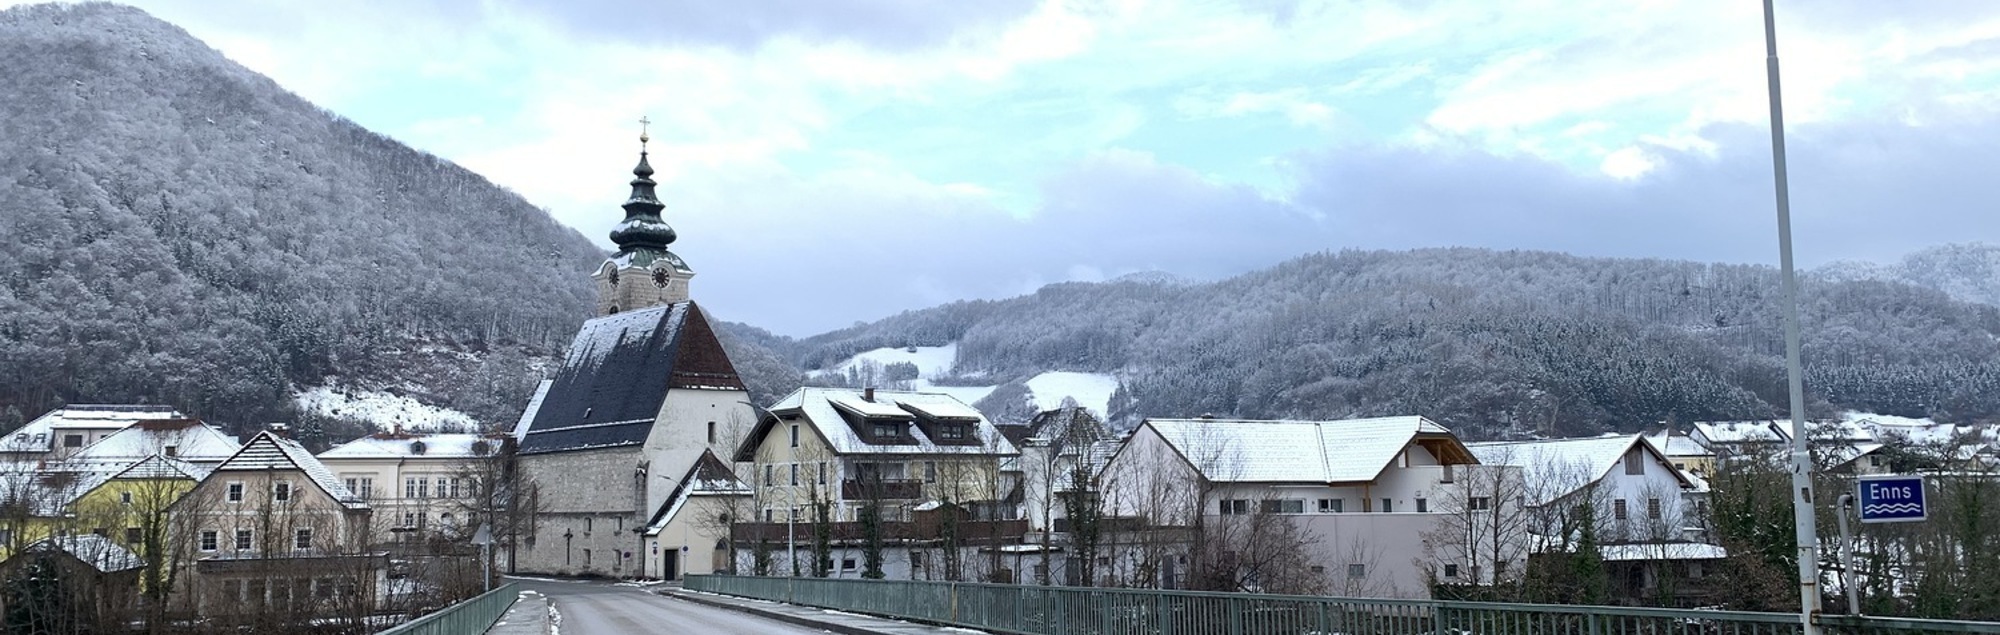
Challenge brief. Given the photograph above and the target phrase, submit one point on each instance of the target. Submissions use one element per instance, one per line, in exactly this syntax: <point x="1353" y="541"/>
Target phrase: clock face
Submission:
<point x="660" y="278"/>
<point x="613" y="277"/>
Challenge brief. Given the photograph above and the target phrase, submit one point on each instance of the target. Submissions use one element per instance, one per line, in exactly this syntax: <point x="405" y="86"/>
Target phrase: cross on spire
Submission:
<point x="643" y="138"/>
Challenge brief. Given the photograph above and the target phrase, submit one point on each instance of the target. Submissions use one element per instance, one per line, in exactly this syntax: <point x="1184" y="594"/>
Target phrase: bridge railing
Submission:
<point x="471" y="617"/>
<point x="1043" y="610"/>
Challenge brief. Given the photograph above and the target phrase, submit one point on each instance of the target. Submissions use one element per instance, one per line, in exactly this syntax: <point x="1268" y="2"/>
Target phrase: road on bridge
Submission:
<point x="602" y="608"/>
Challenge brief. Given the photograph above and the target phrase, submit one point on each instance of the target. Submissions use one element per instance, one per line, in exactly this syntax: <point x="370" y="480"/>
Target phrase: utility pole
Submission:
<point x="1802" y="499"/>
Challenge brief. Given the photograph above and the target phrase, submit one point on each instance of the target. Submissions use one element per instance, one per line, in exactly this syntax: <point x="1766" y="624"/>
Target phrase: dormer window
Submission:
<point x="887" y="430"/>
<point x="952" y="431"/>
<point x="172" y="450"/>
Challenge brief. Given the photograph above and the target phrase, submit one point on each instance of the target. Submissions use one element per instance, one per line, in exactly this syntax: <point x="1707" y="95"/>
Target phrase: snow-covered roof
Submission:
<point x="709" y="476"/>
<point x="1741" y="432"/>
<point x="269" y="451"/>
<point x="383" y="445"/>
<point x="48" y="493"/>
<point x="618" y="370"/>
<point x="1242" y="451"/>
<point x="1556" y="467"/>
<point x="818" y="407"/>
<point x="161" y="466"/>
<point x="534" y="406"/>
<point x="39" y="435"/>
<point x="1839" y="455"/>
<point x="190" y="440"/>
<point x="99" y="552"/>
<point x="1674" y="444"/>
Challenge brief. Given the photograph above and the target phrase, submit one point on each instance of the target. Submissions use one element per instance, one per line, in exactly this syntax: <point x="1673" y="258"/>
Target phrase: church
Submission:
<point x="619" y="439"/>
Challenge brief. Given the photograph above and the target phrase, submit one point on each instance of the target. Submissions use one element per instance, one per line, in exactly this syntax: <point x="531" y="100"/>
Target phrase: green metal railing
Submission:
<point x="471" y="617"/>
<point x="1040" y="610"/>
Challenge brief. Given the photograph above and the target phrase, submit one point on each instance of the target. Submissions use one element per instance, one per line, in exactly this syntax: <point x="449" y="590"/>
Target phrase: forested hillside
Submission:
<point x="182" y="230"/>
<point x="1495" y="343"/>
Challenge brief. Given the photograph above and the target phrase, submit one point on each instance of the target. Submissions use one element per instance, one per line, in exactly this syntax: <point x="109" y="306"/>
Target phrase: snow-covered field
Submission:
<point x="384" y="410"/>
<point x="931" y="361"/>
<point x="1091" y="390"/>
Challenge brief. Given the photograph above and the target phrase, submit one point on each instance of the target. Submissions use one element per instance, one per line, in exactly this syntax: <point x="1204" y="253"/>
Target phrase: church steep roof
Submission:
<point x="617" y="373"/>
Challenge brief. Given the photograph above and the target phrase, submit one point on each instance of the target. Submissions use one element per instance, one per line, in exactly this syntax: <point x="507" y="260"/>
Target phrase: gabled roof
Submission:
<point x="48" y="493"/>
<point x="1740" y="432"/>
<point x="1345" y="451"/>
<point x="1556" y="467"/>
<point x="386" y="445"/>
<point x="709" y="476"/>
<point x="822" y="407"/>
<point x="97" y="551"/>
<point x="163" y="467"/>
<point x="269" y="451"/>
<point x="1675" y="444"/>
<point x="617" y="373"/>
<point x="39" y="435"/>
<point x="191" y="439"/>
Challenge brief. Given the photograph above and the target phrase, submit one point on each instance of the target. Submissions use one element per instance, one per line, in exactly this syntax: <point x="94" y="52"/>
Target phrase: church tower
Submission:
<point x="643" y="273"/>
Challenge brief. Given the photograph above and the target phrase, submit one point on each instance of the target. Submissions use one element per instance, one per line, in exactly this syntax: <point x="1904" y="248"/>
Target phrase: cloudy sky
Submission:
<point x="828" y="162"/>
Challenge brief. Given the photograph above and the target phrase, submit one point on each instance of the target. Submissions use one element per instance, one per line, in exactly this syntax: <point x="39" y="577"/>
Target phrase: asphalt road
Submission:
<point x="600" y="608"/>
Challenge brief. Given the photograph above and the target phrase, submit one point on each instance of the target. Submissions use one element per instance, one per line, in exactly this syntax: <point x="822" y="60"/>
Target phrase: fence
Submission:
<point x="1040" y="610"/>
<point x="471" y="617"/>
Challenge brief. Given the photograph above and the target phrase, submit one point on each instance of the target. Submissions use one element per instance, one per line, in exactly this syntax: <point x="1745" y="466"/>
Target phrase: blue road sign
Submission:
<point x="1890" y="499"/>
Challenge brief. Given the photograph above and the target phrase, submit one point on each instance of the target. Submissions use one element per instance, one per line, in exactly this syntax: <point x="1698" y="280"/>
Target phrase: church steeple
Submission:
<point x="643" y="273"/>
<point x="642" y="227"/>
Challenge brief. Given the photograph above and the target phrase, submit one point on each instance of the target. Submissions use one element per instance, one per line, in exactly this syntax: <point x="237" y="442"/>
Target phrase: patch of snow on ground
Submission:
<point x="931" y="361"/>
<point x="1091" y="390"/>
<point x="384" y="410"/>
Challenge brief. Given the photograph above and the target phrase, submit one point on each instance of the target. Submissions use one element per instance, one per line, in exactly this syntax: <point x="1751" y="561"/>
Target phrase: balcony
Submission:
<point x="881" y="489"/>
<point x="969" y="532"/>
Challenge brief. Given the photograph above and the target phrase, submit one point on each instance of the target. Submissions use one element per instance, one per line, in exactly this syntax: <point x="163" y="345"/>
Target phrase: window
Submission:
<point x="1618" y="509"/>
<point x="125" y="498"/>
<point x="1423" y="505"/>
<point x="454" y="487"/>
<point x="208" y="540"/>
<point x="711" y="432"/>
<point x="1653" y="508"/>
<point x="916" y="559"/>
<point x="302" y="538"/>
<point x="822" y="472"/>
<point x="281" y="491"/>
<point x="846" y="564"/>
<point x="795" y="474"/>
<point x="1451" y="571"/>
<point x="795" y="435"/>
<point x="768" y="480"/>
<point x="72" y="440"/>
<point x="409" y="519"/>
<point x="243" y="541"/>
<point x="1388" y="505"/>
<point x="409" y="487"/>
<point x="952" y="431"/>
<point x="133" y="536"/>
<point x="1635" y="463"/>
<point x="930" y="471"/>
<point x="1357" y="571"/>
<point x="367" y="489"/>
<point x="1233" y="507"/>
<point x="885" y="430"/>
<point x="102" y="531"/>
<point x="423" y="487"/>
<point x="172" y="450"/>
<point x="1283" y="506"/>
<point x="1446" y="478"/>
<point x="768" y="514"/>
<point x="1331" y="505"/>
<point x="235" y="492"/>
<point x="1480" y="503"/>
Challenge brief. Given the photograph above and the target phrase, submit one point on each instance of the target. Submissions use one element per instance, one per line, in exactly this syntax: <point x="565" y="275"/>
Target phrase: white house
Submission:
<point x="68" y="430"/>
<point x="1374" y="499"/>
<point x="1646" y="513"/>
<point x="417" y="483"/>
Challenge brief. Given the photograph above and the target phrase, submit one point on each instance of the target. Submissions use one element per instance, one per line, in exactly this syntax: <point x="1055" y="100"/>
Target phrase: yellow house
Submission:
<point x="127" y="506"/>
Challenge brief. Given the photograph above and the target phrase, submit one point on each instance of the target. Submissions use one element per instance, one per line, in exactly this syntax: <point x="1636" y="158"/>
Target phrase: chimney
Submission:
<point x="279" y="429"/>
<point x="868" y="394"/>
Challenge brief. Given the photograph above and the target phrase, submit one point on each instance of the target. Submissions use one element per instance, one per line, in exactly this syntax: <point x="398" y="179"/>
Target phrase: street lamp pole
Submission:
<point x="1802" y="499"/>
